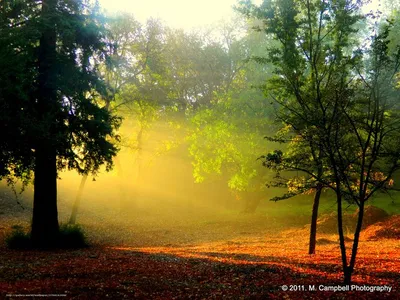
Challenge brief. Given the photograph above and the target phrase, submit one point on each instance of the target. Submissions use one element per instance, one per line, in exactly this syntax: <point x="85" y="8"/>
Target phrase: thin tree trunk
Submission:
<point x="134" y="199"/>
<point x="251" y="203"/>
<point x="72" y="219"/>
<point x="45" y="216"/>
<point x="346" y="271"/>
<point x="77" y="202"/>
<point x="121" y="184"/>
<point x="314" y="218"/>
<point x="356" y="240"/>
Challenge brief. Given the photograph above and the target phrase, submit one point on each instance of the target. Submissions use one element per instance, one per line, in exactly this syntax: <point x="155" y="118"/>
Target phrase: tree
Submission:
<point x="372" y="117"/>
<point x="355" y="126"/>
<point x="296" y="158"/>
<point x="17" y="36"/>
<point x="309" y="35"/>
<point x="62" y="124"/>
<point x="332" y="103"/>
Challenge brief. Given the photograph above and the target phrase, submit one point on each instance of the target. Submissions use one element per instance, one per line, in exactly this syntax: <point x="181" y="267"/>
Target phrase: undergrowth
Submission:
<point x="70" y="236"/>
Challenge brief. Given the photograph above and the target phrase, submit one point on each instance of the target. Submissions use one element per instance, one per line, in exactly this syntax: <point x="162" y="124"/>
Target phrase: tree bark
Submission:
<point x="314" y="218"/>
<point x="74" y="213"/>
<point x="346" y="271"/>
<point x="45" y="216"/>
<point x="356" y="239"/>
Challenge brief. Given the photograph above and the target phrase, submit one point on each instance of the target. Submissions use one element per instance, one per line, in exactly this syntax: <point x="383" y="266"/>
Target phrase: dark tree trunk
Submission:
<point x="356" y="239"/>
<point x="314" y="218"/>
<point x="45" y="217"/>
<point x="346" y="271"/>
<point x="74" y="213"/>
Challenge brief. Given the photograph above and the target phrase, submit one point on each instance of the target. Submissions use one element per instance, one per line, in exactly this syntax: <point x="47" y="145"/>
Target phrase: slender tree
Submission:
<point x="341" y="109"/>
<point x="313" y="37"/>
<point x="372" y="131"/>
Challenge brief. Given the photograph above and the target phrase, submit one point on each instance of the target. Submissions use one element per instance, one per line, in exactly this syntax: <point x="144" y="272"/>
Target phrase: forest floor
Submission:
<point x="234" y="257"/>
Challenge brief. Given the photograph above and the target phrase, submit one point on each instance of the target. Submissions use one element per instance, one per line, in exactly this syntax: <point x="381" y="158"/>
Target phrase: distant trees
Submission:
<point x="228" y="130"/>
<point x="337" y="102"/>
<point x="201" y="79"/>
<point x="49" y="54"/>
<point x="131" y="48"/>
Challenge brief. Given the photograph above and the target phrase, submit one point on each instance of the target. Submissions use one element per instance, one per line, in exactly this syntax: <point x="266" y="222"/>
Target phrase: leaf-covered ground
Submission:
<point x="248" y="267"/>
<point x="208" y="257"/>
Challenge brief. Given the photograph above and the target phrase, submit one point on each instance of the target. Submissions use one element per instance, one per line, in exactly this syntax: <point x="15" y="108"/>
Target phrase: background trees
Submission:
<point x="228" y="130"/>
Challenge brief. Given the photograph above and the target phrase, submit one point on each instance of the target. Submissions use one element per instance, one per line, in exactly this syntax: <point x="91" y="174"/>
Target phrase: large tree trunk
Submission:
<point x="314" y="218"/>
<point x="74" y="213"/>
<point x="45" y="217"/>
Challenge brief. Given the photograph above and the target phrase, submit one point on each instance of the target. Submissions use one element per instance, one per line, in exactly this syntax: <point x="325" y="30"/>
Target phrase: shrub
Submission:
<point x="72" y="236"/>
<point x="18" y="238"/>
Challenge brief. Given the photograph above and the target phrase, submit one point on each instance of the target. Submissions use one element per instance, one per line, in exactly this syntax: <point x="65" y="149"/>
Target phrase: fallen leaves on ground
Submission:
<point x="241" y="257"/>
<point x="243" y="268"/>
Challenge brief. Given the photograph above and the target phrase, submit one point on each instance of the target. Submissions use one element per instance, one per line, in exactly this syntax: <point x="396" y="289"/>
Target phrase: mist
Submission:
<point x="165" y="158"/>
<point x="150" y="197"/>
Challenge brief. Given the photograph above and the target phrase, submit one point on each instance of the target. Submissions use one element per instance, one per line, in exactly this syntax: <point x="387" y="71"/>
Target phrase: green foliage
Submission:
<point x="322" y="54"/>
<point x="81" y="129"/>
<point x="228" y="131"/>
<point x="224" y="140"/>
<point x="313" y="56"/>
<point x="140" y="82"/>
<point x="339" y="99"/>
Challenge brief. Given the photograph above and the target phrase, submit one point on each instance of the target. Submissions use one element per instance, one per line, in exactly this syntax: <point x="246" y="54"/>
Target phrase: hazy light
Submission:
<point x="176" y="13"/>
